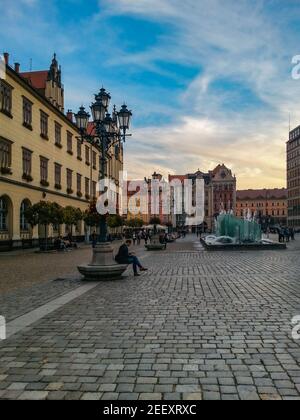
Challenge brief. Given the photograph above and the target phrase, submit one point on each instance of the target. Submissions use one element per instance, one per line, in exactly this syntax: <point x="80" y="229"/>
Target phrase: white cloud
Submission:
<point x="239" y="42"/>
<point x="246" y="43"/>
<point x="258" y="160"/>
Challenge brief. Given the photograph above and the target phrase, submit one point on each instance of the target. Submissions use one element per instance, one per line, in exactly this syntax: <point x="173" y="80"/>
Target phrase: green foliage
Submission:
<point x="44" y="213"/>
<point x="155" y="221"/>
<point x="72" y="215"/>
<point x="134" y="223"/>
<point x="91" y="216"/>
<point x="115" y="221"/>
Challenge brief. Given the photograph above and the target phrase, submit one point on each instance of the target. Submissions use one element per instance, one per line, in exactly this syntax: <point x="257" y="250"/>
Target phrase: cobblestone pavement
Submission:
<point x="22" y="269"/>
<point x="199" y="325"/>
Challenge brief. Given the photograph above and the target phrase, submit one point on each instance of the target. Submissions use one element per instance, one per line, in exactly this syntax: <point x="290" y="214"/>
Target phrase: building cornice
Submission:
<point x="41" y="189"/>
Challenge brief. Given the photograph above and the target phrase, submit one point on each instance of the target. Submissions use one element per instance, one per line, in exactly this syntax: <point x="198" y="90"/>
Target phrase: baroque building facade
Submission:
<point x="42" y="157"/>
<point x="220" y="194"/>
<point x="293" y="178"/>
<point x="269" y="206"/>
<point x="219" y="190"/>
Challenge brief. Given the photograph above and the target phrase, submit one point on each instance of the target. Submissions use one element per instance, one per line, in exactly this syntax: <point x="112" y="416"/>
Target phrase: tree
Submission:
<point x="44" y="213"/>
<point x="115" y="221"/>
<point x="72" y="216"/>
<point x="91" y="216"/>
<point x="56" y="214"/>
<point x="134" y="223"/>
<point x="155" y="221"/>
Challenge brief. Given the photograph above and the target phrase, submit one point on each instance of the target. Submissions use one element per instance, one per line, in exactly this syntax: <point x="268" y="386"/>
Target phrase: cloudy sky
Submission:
<point x="209" y="81"/>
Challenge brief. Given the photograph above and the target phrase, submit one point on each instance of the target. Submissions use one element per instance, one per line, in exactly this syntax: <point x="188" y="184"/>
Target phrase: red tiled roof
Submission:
<point x="37" y="79"/>
<point x="91" y="129"/>
<point x="266" y="194"/>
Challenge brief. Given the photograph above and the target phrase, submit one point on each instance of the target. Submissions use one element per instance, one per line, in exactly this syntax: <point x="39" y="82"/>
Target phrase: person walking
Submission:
<point x="146" y="238"/>
<point x="292" y="234"/>
<point x="287" y="234"/>
<point x="280" y="234"/>
<point x="139" y="237"/>
<point x="124" y="257"/>
<point x="134" y="237"/>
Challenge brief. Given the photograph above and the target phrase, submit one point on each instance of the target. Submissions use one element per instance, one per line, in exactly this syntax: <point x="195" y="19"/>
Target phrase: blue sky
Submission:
<point x="209" y="81"/>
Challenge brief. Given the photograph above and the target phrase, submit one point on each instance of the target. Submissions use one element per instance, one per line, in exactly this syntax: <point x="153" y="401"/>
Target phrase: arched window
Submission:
<point x="24" y="226"/>
<point x="3" y="215"/>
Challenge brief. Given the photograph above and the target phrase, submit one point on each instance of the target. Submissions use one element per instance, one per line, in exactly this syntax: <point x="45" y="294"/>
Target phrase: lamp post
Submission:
<point x="106" y="132"/>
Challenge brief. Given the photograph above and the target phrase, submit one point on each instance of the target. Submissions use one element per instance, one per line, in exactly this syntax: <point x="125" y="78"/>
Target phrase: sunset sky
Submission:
<point x="208" y="81"/>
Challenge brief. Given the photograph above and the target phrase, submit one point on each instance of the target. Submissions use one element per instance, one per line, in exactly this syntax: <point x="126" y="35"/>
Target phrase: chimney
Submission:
<point x="17" y="67"/>
<point x="70" y="115"/>
<point x="6" y="58"/>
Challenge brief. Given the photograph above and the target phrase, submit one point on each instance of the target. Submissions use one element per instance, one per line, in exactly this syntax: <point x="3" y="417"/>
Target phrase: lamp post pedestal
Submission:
<point x="103" y="266"/>
<point x="155" y="244"/>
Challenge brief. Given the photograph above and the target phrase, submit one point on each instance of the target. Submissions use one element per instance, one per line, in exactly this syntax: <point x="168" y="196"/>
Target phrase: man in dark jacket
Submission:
<point x="124" y="257"/>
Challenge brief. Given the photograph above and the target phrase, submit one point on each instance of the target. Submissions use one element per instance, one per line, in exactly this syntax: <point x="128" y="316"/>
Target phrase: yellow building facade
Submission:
<point x="41" y="155"/>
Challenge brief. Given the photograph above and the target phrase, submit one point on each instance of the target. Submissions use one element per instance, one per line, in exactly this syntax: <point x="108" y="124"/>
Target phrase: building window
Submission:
<point x="44" y="125"/>
<point x="94" y="160"/>
<point x="57" y="174"/>
<point x="27" y="113"/>
<point x="44" y="171"/>
<point x="5" y="155"/>
<point x="79" y="149"/>
<point x="70" y="143"/>
<point x="87" y="188"/>
<point x="27" y="165"/>
<point x="69" y="181"/>
<point x="87" y="155"/>
<point x="94" y="184"/>
<point x="79" y="179"/>
<point x="58" y="135"/>
<point x="5" y="98"/>
<point x="3" y="215"/>
<point x="24" y="225"/>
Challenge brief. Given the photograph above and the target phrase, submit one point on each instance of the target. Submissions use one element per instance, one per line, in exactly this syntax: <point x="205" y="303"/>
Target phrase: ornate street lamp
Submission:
<point x="107" y="132"/>
<point x="104" y="97"/>
<point x="99" y="109"/>
<point x="82" y="120"/>
<point x="124" y="118"/>
<point x="109" y="124"/>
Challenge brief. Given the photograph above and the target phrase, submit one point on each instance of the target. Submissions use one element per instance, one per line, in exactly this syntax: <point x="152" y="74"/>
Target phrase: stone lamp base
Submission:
<point x="155" y="244"/>
<point x="103" y="265"/>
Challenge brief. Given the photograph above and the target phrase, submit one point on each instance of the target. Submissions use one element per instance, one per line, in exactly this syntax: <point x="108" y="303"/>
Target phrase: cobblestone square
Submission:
<point x="198" y="325"/>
